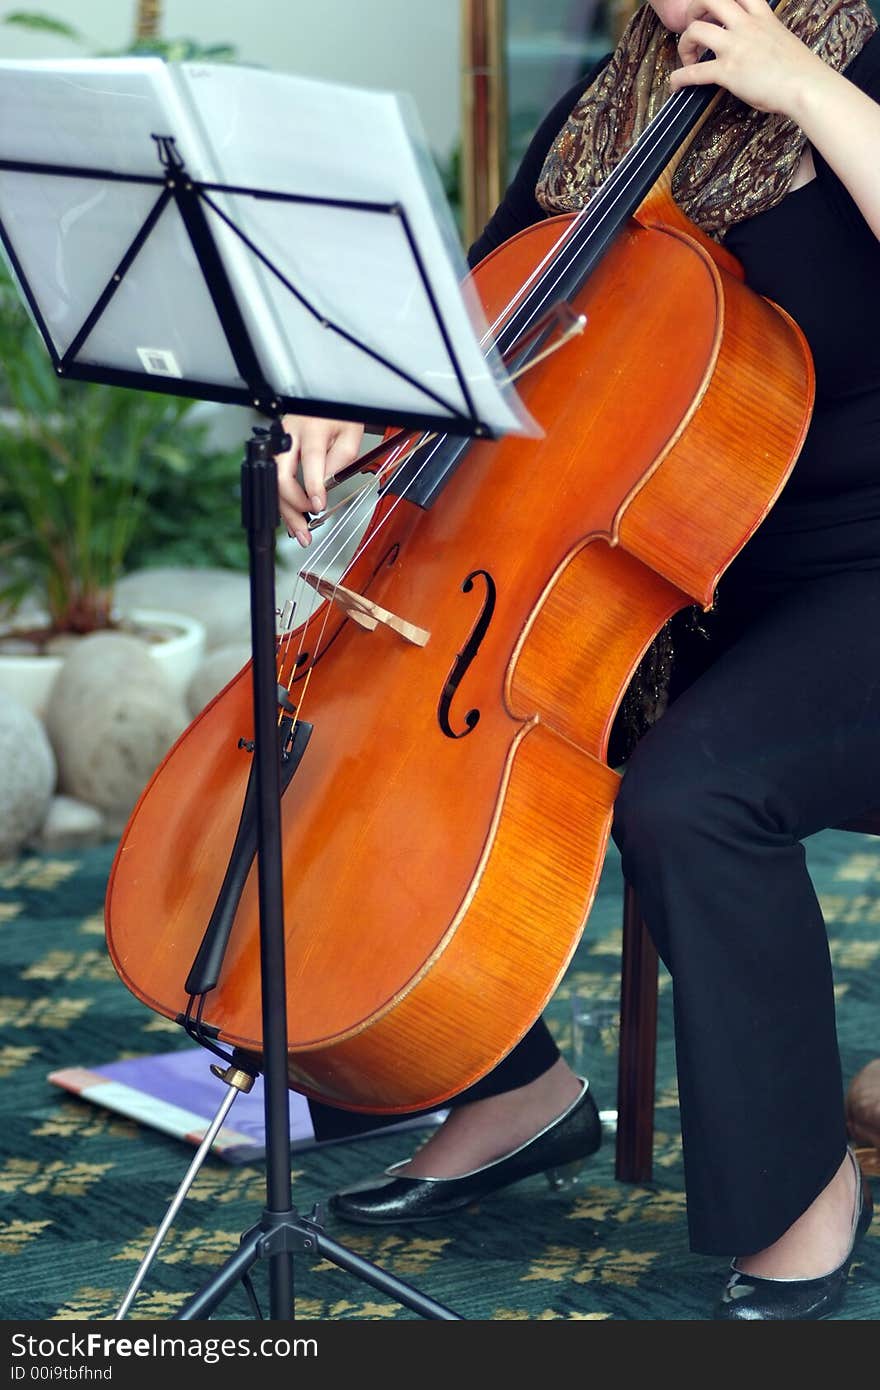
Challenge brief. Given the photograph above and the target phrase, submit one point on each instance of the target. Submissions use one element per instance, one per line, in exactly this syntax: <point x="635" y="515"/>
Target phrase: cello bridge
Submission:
<point x="364" y="611"/>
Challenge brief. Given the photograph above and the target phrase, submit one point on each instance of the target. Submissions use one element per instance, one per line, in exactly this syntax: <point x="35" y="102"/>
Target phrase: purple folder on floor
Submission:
<point x="177" y="1093"/>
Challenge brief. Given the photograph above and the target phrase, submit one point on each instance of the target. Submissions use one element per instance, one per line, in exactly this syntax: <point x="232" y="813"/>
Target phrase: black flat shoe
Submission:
<point x="558" y="1150"/>
<point x="749" y="1297"/>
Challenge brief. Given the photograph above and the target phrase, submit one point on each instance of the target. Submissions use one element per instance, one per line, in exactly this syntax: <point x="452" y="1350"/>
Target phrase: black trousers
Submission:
<point x="778" y="739"/>
<point x="775" y="738"/>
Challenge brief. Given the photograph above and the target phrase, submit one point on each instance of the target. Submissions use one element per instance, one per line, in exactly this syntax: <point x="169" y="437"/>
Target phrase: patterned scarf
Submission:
<point x="741" y="161"/>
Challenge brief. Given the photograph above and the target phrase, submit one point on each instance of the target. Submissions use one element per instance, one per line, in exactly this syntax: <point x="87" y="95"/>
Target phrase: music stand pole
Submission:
<point x="260" y="517"/>
<point x="280" y="1233"/>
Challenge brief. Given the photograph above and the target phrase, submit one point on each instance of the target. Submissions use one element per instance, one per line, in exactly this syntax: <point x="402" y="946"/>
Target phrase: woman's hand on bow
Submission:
<point x="319" y="449"/>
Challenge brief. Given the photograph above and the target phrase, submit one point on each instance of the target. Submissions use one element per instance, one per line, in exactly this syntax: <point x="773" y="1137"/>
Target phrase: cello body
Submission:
<point x="444" y="833"/>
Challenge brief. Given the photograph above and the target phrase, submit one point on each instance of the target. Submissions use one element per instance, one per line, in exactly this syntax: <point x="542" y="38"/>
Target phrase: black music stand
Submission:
<point x="202" y="208"/>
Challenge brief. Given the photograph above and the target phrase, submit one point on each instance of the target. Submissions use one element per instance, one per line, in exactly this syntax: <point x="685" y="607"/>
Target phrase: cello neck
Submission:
<point x="640" y="181"/>
<point x="646" y="166"/>
<point x="563" y="273"/>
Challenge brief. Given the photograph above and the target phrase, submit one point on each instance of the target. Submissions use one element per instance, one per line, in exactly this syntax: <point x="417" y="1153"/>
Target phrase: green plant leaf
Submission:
<point x="179" y="50"/>
<point x="44" y="23"/>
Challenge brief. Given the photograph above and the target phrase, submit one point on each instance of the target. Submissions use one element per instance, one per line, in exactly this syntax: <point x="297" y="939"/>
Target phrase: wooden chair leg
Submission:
<point x="637" y="1058"/>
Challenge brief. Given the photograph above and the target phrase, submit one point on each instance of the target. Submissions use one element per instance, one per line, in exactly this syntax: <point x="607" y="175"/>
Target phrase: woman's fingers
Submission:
<point x="319" y="448"/>
<point x="291" y="499"/>
<point x="294" y="506"/>
<point x="343" y="450"/>
<point x="313" y="465"/>
<point x="699" y="36"/>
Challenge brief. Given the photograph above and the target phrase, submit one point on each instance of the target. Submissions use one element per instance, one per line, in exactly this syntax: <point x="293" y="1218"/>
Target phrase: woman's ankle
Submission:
<point x="819" y="1241"/>
<point x="484" y="1130"/>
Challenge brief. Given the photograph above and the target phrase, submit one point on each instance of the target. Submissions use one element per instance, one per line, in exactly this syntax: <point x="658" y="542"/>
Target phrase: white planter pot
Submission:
<point x="179" y="654"/>
<point x="29" y="679"/>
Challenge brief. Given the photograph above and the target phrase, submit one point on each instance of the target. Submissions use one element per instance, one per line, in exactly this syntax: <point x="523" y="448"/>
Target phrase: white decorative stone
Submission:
<point x="175" y="641"/>
<point x="28" y="775"/>
<point x="69" y="824"/>
<point x="112" y="716"/>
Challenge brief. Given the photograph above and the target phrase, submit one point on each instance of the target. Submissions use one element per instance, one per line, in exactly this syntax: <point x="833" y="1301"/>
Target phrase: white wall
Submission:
<point x="401" y="45"/>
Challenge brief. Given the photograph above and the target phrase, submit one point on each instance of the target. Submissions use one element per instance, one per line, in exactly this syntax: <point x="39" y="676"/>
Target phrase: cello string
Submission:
<point x="517" y="316"/>
<point x="590" y="220"/>
<point x="595" y="214"/>
<point x="402" y="447"/>
<point x="347" y="536"/>
<point x="545" y="278"/>
<point x="586" y="224"/>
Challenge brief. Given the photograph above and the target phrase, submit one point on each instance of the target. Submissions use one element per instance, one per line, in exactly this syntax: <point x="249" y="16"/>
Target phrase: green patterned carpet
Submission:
<point x="83" y="1191"/>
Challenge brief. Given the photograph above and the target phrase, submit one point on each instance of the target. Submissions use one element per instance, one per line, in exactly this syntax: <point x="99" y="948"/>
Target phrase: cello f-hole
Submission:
<point x="466" y="656"/>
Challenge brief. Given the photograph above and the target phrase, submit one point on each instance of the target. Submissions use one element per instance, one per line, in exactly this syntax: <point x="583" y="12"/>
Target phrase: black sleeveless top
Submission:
<point x="815" y="256"/>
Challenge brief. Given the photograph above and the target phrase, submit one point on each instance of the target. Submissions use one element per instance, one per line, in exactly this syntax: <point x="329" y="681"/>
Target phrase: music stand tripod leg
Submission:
<point x="176" y="1203"/>
<point x="274" y="1236"/>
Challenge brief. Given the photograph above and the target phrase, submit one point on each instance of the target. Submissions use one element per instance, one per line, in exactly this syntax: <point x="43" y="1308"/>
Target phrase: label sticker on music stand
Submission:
<point x="159" y="362"/>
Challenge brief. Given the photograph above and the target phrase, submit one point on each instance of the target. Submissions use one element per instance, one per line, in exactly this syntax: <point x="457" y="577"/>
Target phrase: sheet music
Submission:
<point x="351" y="268"/>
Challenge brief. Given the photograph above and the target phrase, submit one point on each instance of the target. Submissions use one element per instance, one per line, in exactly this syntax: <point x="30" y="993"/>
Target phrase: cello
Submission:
<point x="446" y="710"/>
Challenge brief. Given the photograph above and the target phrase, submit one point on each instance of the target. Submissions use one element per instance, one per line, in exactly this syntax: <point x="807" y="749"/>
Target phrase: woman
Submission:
<point x="779" y="735"/>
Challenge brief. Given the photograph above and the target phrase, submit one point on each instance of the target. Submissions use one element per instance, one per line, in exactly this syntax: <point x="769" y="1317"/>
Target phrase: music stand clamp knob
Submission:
<point x="234" y="1076"/>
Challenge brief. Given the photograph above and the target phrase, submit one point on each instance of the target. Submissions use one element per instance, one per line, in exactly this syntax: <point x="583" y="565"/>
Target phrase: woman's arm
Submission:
<point x="765" y="65"/>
